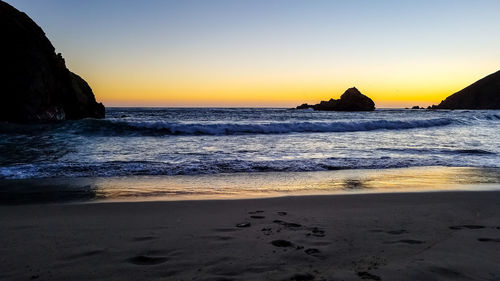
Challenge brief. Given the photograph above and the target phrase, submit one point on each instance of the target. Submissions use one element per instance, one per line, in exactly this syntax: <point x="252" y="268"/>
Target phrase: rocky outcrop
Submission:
<point x="351" y="100"/>
<point x="35" y="84"/>
<point x="483" y="94"/>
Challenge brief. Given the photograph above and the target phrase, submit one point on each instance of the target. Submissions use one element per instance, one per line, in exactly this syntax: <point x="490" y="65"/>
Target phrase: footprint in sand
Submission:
<point x="85" y="254"/>
<point x="406" y="241"/>
<point x="466" y="226"/>
<point x="287" y="224"/>
<point x="218" y="237"/>
<point x="397" y="232"/>
<point x="267" y="230"/>
<point x="257" y="217"/>
<point x="282" y="213"/>
<point x="316" y="232"/>
<point x="243" y="224"/>
<point x="312" y="251"/>
<point x="143" y="238"/>
<point x="392" y="232"/>
<point x="282" y="243"/>
<point x="368" y="275"/>
<point x="446" y="272"/>
<point x="255" y="212"/>
<point x="147" y="260"/>
<point x="489" y="240"/>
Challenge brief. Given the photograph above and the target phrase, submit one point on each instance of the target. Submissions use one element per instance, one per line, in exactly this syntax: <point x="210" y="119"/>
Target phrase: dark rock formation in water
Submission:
<point x="351" y="100"/>
<point x="35" y="84"/>
<point x="483" y="94"/>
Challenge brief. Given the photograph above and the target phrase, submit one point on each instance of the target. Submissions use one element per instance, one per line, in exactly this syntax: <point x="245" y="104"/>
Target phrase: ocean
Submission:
<point x="244" y="146"/>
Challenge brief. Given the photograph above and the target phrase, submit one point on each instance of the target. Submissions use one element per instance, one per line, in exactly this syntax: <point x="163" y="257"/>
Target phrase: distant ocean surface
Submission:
<point x="201" y="141"/>
<point x="203" y="153"/>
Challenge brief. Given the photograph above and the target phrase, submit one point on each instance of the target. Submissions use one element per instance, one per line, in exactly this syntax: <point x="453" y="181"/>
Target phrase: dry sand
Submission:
<point x="405" y="236"/>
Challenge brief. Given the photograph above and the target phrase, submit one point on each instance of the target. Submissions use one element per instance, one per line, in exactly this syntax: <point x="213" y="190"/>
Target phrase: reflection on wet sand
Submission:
<point x="247" y="185"/>
<point x="354" y="184"/>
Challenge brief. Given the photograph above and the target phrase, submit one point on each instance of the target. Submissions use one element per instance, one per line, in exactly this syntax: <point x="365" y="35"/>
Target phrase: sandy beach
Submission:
<point x="393" y="236"/>
<point x="249" y="140"/>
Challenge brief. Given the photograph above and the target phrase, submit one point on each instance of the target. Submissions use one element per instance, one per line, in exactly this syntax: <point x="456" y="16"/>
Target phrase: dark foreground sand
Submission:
<point x="406" y="236"/>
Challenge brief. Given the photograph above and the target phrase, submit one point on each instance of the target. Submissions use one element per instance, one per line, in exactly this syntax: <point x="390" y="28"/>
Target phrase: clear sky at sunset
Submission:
<point x="271" y="53"/>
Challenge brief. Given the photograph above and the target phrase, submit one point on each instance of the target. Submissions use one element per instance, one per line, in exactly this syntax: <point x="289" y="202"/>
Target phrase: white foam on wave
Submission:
<point x="285" y="127"/>
<point x="132" y="168"/>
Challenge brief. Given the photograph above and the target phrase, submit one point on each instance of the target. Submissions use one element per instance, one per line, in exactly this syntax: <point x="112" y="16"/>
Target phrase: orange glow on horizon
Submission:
<point x="185" y="89"/>
<point x="262" y="54"/>
<point x="384" y="97"/>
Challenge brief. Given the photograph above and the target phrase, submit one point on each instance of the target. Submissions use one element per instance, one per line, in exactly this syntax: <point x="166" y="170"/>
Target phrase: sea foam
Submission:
<point x="115" y="127"/>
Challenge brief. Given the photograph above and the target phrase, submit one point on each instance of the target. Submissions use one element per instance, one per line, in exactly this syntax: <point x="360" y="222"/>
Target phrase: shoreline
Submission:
<point x="451" y="235"/>
<point x="246" y="185"/>
<point x="291" y="196"/>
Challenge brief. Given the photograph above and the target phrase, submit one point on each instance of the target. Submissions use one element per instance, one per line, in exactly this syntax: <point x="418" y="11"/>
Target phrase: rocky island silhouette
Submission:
<point x="351" y="100"/>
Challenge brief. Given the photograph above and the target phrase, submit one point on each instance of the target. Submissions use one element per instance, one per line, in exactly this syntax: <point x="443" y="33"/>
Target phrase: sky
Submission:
<point x="271" y="53"/>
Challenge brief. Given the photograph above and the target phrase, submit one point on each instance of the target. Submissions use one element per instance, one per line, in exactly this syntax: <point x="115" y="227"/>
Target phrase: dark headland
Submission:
<point x="351" y="100"/>
<point x="35" y="84"/>
<point x="483" y="94"/>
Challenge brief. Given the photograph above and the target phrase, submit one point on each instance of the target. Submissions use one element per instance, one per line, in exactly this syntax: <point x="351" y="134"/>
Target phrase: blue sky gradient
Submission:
<point x="225" y="48"/>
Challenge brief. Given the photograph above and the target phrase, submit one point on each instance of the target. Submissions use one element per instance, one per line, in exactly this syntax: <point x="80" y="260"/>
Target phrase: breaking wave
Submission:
<point x="153" y="168"/>
<point x="108" y="127"/>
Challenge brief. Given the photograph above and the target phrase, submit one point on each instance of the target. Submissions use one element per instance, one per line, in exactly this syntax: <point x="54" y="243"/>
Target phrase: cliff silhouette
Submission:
<point x="483" y="94"/>
<point x="35" y="84"/>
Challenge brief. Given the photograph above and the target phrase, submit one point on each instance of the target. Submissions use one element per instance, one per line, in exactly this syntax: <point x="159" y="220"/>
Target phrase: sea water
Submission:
<point x="169" y="142"/>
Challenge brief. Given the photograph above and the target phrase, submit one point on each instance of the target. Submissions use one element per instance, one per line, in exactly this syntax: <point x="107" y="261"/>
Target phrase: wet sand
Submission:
<point x="394" y="236"/>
